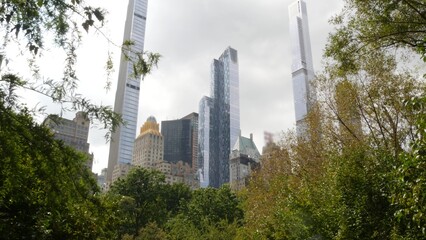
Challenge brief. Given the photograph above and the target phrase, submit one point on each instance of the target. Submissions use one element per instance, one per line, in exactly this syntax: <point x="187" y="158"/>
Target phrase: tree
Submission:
<point x="210" y="214"/>
<point x="144" y="189"/>
<point x="409" y="188"/>
<point x="212" y="205"/>
<point x="46" y="191"/>
<point x="364" y="25"/>
<point x="339" y="185"/>
<point x="33" y="21"/>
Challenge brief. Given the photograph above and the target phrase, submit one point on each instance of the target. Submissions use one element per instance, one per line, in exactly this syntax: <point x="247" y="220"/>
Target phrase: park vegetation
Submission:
<point x="359" y="173"/>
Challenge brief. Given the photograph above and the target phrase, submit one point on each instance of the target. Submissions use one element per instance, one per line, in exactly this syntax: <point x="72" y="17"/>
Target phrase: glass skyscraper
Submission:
<point x="219" y="120"/>
<point x="127" y="95"/>
<point x="302" y="67"/>
<point x="180" y="136"/>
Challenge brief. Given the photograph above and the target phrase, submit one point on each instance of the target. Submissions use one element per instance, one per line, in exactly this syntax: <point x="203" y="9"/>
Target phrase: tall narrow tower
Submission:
<point x="127" y="95"/>
<point x="302" y="68"/>
<point x="219" y="122"/>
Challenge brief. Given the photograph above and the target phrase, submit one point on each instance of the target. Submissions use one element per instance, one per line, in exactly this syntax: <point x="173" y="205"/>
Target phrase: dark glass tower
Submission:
<point x="219" y="125"/>
<point x="180" y="139"/>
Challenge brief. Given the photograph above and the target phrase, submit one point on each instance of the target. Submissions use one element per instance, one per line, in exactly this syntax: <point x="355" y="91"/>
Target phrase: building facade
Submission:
<point x="219" y="123"/>
<point x="73" y="133"/>
<point x="243" y="159"/>
<point x="302" y="66"/>
<point x="181" y="139"/>
<point x="179" y="172"/>
<point x="148" y="146"/>
<point x="120" y="171"/>
<point x="127" y="95"/>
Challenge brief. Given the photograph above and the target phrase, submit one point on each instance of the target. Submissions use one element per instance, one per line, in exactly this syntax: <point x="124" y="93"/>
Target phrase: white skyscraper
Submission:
<point x="302" y="67"/>
<point x="127" y="95"/>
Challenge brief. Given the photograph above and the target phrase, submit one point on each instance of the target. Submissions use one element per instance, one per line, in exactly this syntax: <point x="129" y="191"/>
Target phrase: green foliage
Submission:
<point x="46" y="191"/>
<point x="213" y="205"/>
<point x="409" y="192"/>
<point x="142" y="190"/>
<point x="357" y="180"/>
<point x="33" y="21"/>
<point x="33" y="18"/>
<point x="366" y="25"/>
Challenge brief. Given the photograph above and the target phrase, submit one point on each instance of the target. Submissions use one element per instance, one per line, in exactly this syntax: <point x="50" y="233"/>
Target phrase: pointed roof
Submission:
<point x="150" y="127"/>
<point x="247" y="147"/>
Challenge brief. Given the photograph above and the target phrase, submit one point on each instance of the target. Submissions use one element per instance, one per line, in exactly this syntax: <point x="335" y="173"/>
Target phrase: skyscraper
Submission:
<point x="127" y="95"/>
<point x="73" y="133"/>
<point x="302" y="67"/>
<point x="180" y="139"/>
<point x="149" y="145"/>
<point x="219" y="122"/>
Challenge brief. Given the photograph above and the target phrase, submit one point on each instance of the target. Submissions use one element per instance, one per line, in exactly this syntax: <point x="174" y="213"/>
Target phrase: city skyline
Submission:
<point x="258" y="30"/>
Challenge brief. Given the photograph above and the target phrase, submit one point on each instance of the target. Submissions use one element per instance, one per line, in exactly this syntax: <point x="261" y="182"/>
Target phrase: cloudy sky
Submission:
<point x="189" y="34"/>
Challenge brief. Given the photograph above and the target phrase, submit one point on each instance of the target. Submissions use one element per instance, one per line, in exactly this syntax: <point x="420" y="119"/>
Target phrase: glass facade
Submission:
<point x="302" y="67"/>
<point x="219" y="125"/>
<point x="127" y="95"/>
<point x="206" y="105"/>
<point x="179" y="139"/>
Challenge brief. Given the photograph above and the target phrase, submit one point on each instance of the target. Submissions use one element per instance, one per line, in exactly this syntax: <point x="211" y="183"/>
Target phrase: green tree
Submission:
<point x="144" y="188"/>
<point x="409" y="178"/>
<point x="32" y="22"/>
<point x="364" y="25"/>
<point x="212" y="205"/>
<point x="46" y="191"/>
<point x="143" y="197"/>
<point x="210" y="214"/>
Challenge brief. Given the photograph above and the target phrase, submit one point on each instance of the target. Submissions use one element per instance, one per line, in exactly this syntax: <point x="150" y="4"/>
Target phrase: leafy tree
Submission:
<point x="46" y="191"/>
<point x="143" y="197"/>
<point x="150" y="232"/>
<point x="212" y="205"/>
<point x="338" y="185"/>
<point x="364" y="25"/>
<point x="144" y="189"/>
<point x="409" y="180"/>
<point x="33" y="21"/>
<point x="210" y="214"/>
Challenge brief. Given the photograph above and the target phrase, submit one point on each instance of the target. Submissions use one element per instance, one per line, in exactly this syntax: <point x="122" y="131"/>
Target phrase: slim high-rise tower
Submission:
<point x="127" y="95"/>
<point x="302" y="67"/>
<point x="219" y="121"/>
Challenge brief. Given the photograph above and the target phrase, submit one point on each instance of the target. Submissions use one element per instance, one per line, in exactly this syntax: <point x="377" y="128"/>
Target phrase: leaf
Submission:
<point x="99" y="14"/>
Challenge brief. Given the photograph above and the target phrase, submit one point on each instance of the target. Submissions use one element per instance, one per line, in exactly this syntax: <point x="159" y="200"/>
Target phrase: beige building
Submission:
<point x="120" y="170"/>
<point x="148" y="147"/>
<point x="73" y="133"/>
<point x="180" y="172"/>
<point x="148" y="153"/>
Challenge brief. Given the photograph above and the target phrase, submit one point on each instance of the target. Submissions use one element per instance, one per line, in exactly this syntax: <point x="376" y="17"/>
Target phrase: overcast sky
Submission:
<point x="189" y="34"/>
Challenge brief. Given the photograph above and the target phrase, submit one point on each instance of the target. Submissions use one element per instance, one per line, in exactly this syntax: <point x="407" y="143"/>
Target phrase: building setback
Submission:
<point x="302" y="66"/>
<point x="219" y="123"/>
<point x="73" y="133"/>
<point x="181" y="139"/>
<point x="127" y="95"/>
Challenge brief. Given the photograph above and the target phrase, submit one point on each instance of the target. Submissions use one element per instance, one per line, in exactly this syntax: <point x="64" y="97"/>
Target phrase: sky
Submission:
<point x="189" y="34"/>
